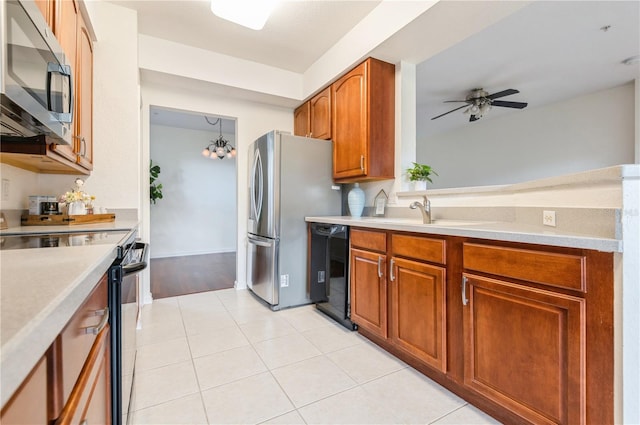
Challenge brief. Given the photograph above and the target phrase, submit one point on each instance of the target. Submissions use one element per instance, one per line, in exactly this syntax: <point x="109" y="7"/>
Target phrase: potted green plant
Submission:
<point x="155" y="190"/>
<point x="419" y="174"/>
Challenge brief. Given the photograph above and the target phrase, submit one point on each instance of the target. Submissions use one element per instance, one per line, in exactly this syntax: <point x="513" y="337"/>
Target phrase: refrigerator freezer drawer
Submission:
<point x="262" y="261"/>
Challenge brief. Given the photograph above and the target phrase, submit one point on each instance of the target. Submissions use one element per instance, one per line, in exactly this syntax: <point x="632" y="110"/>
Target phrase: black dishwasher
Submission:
<point x="329" y="271"/>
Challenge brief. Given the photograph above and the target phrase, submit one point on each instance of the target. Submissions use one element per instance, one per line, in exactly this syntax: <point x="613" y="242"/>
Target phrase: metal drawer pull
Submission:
<point x="95" y="330"/>
<point x="379" y="266"/>
<point x="391" y="276"/>
<point x="465" y="301"/>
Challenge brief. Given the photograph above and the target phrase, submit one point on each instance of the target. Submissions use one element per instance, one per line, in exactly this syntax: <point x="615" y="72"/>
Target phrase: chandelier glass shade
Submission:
<point x="220" y="147"/>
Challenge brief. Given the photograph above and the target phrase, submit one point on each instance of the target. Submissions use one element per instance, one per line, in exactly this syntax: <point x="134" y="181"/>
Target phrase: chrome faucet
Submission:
<point x="425" y="209"/>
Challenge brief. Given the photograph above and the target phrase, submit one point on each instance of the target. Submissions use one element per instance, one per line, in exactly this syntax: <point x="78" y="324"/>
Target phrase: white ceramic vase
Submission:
<point x="355" y="199"/>
<point x="76" y="208"/>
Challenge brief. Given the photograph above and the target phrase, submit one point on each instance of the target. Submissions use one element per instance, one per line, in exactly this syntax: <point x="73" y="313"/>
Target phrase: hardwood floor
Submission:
<point x="174" y="276"/>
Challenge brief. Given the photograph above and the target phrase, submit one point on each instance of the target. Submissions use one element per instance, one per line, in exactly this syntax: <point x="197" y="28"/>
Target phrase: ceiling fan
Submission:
<point x="478" y="102"/>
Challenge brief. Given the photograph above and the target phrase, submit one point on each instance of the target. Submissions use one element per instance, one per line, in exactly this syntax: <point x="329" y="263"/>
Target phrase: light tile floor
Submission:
<point x="224" y="358"/>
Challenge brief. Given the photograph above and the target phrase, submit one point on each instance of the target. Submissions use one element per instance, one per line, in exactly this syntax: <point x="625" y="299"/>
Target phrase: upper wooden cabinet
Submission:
<point x="84" y="96"/>
<point x="363" y="105"/>
<point x="65" y="19"/>
<point x="301" y="120"/>
<point x="313" y="118"/>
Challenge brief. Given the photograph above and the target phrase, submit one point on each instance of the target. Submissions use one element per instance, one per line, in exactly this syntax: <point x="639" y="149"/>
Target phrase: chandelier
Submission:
<point x="220" y="147"/>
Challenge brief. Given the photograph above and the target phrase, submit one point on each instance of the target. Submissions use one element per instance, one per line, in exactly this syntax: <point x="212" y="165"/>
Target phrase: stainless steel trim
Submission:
<point x="465" y="300"/>
<point x="95" y="330"/>
<point x="379" y="266"/>
<point x="391" y="275"/>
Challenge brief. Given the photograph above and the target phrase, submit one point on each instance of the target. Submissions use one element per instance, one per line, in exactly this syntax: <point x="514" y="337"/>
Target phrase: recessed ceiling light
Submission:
<point x="632" y="60"/>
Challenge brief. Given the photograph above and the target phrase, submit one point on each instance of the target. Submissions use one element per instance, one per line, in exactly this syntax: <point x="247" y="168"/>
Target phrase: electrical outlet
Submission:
<point x="5" y="189"/>
<point x="284" y="280"/>
<point x="549" y="218"/>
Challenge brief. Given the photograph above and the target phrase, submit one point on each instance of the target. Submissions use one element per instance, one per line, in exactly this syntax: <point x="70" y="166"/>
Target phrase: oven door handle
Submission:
<point x="133" y="268"/>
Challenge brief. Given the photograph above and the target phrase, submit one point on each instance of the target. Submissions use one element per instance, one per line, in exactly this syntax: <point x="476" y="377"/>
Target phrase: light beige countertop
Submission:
<point x="501" y="231"/>
<point x="40" y="290"/>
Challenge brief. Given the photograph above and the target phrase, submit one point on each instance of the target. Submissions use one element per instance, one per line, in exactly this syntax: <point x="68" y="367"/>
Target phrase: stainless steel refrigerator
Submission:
<point x="290" y="177"/>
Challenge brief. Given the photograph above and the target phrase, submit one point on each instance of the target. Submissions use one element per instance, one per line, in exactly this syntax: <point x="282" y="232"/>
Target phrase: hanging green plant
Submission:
<point x="155" y="190"/>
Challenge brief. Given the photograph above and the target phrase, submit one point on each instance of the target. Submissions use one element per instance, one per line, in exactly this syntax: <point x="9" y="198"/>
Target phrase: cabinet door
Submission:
<point x="418" y="308"/>
<point x="350" y="123"/>
<point x="29" y="404"/>
<point x="47" y="9"/>
<point x="369" y="291"/>
<point x="84" y="97"/>
<point x="525" y="349"/>
<point x="66" y="21"/>
<point x="320" y="115"/>
<point x="89" y="401"/>
<point x="301" y="122"/>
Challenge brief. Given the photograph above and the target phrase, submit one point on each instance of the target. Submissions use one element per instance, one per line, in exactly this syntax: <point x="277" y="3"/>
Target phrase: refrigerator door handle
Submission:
<point x="254" y="241"/>
<point x="257" y="186"/>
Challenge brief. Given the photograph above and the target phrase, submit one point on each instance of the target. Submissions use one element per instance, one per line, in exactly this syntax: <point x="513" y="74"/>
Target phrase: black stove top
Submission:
<point x="55" y="240"/>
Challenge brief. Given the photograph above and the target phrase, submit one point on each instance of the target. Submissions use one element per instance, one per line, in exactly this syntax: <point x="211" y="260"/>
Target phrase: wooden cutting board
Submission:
<point x="64" y="219"/>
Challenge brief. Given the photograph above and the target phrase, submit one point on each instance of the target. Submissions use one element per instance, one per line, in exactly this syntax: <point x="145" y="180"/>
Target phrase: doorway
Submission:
<point x="193" y="226"/>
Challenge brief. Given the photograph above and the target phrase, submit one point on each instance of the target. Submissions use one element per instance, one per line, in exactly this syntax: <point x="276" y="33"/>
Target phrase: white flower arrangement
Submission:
<point x="76" y="195"/>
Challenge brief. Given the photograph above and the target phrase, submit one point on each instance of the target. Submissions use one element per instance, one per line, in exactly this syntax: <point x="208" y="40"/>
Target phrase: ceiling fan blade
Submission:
<point x="473" y="118"/>
<point x="505" y="104"/>
<point x="453" y="110"/>
<point x="503" y="93"/>
<point x="450" y="101"/>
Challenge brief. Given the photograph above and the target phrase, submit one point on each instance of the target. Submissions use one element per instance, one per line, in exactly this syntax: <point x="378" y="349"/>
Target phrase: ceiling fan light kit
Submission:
<point x="480" y="102"/>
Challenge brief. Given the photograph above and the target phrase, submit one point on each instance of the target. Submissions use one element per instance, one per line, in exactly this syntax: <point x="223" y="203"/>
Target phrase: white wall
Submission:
<point x="197" y="214"/>
<point x="591" y="131"/>
<point x="252" y="120"/>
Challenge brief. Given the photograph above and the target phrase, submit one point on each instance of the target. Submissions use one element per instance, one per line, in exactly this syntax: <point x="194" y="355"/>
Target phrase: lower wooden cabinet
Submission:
<point x="28" y="405"/>
<point x="71" y="384"/>
<point x="89" y="402"/>
<point x="369" y="291"/>
<point x="525" y="349"/>
<point x="525" y="332"/>
<point x="418" y="306"/>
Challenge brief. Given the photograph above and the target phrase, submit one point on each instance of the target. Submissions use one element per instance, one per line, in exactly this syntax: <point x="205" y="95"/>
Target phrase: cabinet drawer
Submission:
<point x="74" y="341"/>
<point x="560" y="270"/>
<point x="418" y="248"/>
<point x="376" y="241"/>
<point x="29" y="404"/>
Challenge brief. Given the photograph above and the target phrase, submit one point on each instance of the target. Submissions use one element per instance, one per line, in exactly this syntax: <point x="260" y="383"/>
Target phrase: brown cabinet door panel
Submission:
<point x="320" y="115"/>
<point x="350" y="123"/>
<point x="301" y="120"/>
<point x="525" y="349"/>
<point x="369" y="291"/>
<point x="84" y="97"/>
<point x="418" y="310"/>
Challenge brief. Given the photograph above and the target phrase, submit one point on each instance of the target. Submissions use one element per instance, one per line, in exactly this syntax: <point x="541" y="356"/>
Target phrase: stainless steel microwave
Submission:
<point x="36" y="82"/>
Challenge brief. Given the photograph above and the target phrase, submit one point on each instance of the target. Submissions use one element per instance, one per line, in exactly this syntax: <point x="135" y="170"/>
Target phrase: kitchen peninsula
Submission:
<point x="521" y="319"/>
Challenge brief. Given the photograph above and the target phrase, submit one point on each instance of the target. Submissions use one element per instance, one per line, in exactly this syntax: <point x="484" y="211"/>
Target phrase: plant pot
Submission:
<point x="420" y="185"/>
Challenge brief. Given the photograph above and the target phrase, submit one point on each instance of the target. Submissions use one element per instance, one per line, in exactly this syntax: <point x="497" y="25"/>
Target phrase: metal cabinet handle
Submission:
<point x="391" y="275"/>
<point x="465" y="301"/>
<point x="83" y="147"/>
<point x="95" y="330"/>
<point x="362" y="163"/>
<point x="379" y="266"/>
